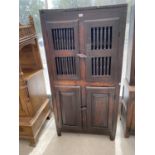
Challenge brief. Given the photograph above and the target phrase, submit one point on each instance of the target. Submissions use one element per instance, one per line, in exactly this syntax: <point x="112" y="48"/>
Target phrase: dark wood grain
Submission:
<point x="100" y="106"/>
<point x="84" y="49"/>
<point x="69" y="100"/>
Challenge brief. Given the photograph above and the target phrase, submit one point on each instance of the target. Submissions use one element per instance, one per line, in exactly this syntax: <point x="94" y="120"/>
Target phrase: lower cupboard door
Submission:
<point x="100" y="106"/>
<point x="68" y="100"/>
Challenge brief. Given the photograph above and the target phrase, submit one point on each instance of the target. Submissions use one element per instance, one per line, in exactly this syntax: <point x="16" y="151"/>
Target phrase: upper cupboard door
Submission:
<point x="63" y="41"/>
<point x="63" y="36"/>
<point x="101" y="48"/>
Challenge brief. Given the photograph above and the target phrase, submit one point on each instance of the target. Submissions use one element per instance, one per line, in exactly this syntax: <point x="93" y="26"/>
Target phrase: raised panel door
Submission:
<point x="100" y="105"/>
<point x="68" y="99"/>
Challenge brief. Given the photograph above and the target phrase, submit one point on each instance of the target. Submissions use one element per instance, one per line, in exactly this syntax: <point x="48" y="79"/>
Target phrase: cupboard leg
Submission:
<point x="126" y="135"/>
<point x="33" y="142"/>
<point x="112" y="137"/>
<point x="58" y="132"/>
<point x="113" y="134"/>
<point x="115" y="116"/>
<point x="48" y="117"/>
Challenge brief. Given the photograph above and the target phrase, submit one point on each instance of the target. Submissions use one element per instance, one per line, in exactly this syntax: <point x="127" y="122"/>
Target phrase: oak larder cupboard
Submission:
<point x="84" y="50"/>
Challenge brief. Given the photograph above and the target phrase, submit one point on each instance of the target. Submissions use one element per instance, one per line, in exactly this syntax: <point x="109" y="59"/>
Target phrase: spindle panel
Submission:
<point x="63" y="36"/>
<point x="63" y="41"/>
<point x="101" y="49"/>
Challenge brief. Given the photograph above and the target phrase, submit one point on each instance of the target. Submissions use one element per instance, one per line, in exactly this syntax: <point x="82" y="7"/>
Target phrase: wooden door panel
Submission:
<point x="66" y="67"/>
<point x="99" y="68"/>
<point x="63" y="37"/>
<point x="100" y="110"/>
<point x="100" y="104"/>
<point x="101" y="49"/>
<point x="101" y="34"/>
<point x="69" y="100"/>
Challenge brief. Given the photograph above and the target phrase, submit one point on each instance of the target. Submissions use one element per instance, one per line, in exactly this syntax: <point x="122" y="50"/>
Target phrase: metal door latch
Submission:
<point x="80" y="14"/>
<point x="81" y="55"/>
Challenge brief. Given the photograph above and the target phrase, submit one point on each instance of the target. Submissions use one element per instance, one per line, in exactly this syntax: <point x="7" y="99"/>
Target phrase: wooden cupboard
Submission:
<point x="128" y="97"/>
<point x="128" y="109"/>
<point x="84" y="49"/>
<point x="33" y="100"/>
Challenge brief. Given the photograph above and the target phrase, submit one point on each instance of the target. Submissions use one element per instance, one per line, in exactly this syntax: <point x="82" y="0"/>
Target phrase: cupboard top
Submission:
<point x="78" y="8"/>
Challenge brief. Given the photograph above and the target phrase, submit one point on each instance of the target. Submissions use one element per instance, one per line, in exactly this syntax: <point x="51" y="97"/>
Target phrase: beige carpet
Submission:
<point x="78" y="144"/>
